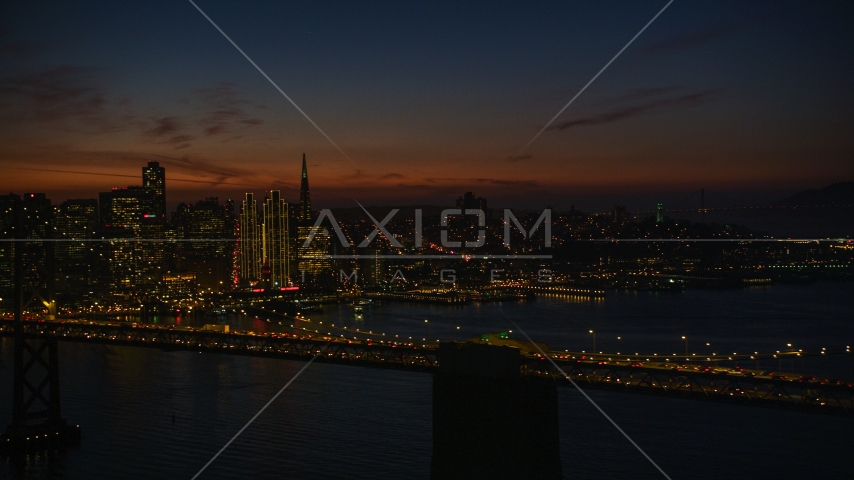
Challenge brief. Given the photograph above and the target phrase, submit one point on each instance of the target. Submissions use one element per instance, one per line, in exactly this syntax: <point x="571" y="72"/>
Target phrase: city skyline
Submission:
<point x="426" y="239"/>
<point x="422" y="121"/>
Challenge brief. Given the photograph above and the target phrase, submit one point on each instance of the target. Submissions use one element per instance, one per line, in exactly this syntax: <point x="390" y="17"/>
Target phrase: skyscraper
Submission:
<point x="313" y="260"/>
<point x="276" y="240"/>
<point x="133" y="208"/>
<point x="250" y="241"/>
<point x="304" y="197"/>
<point x="135" y="267"/>
<point x="74" y="220"/>
<point x="33" y="214"/>
<point x="467" y="227"/>
<point x="154" y="178"/>
<point x="210" y="257"/>
<point x="470" y="201"/>
<point x="8" y="211"/>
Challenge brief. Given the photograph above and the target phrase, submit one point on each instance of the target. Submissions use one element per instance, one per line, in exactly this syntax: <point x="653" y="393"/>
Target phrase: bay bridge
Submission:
<point x="702" y="378"/>
<point x="493" y="373"/>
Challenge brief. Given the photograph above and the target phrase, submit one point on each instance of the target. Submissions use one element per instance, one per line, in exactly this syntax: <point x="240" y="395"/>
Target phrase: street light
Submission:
<point x="594" y="340"/>
<point x="428" y="327"/>
<point x="686" y="344"/>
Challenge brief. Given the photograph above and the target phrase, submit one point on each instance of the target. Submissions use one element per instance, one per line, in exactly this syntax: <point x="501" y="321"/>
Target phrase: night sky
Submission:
<point x="750" y="99"/>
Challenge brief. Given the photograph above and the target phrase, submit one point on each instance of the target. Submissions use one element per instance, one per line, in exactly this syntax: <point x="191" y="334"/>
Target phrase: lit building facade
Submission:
<point x="250" y="241"/>
<point x="207" y="231"/>
<point x="275" y="241"/>
<point x="74" y="220"/>
<point x="313" y="259"/>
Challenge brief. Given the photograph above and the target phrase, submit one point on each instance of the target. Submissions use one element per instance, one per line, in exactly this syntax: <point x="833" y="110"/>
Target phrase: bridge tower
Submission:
<point x="37" y="422"/>
<point x="489" y="421"/>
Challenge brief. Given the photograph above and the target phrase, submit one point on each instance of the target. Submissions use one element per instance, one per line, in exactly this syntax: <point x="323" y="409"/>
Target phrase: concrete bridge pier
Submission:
<point x="488" y="420"/>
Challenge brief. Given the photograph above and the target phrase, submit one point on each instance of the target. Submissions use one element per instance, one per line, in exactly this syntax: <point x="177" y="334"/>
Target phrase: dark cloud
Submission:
<point x="116" y="175"/>
<point x="507" y="183"/>
<point x="698" y="38"/>
<point x="13" y="49"/>
<point x="164" y="126"/>
<point x="215" y="129"/>
<point x="688" y="100"/>
<point x="638" y="94"/>
<point x="20" y="50"/>
<point x="445" y="182"/>
<point x="357" y="173"/>
<point x="181" y="139"/>
<point x="281" y="184"/>
<point x="389" y="176"/>
<point x="221" y="111"/>
<point x="224" y="107"/>
<point x="201" y="168"/>
<point x="519" y="158"/>
<point x="58" y="95"/>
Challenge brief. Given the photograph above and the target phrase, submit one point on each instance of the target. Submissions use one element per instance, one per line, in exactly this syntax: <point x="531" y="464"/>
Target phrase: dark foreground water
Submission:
<point x="347" y="422"/>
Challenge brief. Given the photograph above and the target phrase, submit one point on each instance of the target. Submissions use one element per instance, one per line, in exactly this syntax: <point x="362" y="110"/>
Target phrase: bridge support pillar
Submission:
<point x="488" y="420"/>
<point x="37" y="423"/>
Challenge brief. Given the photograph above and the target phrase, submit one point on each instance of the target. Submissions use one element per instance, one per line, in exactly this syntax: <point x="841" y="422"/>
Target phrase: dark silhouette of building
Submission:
<point x="469" y="201"/>
<point x="154" y="178"/>
<point x="619" y="214"/>
<point x="467" y="228"/>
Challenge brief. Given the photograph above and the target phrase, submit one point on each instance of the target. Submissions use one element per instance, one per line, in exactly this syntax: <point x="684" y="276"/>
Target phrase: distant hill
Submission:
<point x="837" y="194"/>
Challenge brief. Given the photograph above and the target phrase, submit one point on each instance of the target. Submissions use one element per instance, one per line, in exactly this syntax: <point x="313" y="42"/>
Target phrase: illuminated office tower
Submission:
<point x="313" y="260"/>
<point x="659" y="213"/>
<point x="131" y="208"/>
<point x="37" y="218"/>
<point x="250" y="241"/>
<point x="304" y="197"/>
<point x="209" y="257"/>
<point x="154" y="178"/>
<point x="136" y="270"/>
<point x="275" y="241"/>
<point x="36" y="221"/>
<point x="8" y="205"/>
<point x="74" y="220"/>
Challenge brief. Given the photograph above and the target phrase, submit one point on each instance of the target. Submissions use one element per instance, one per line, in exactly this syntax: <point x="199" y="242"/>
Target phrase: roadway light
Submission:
<point x="594" y="340"/>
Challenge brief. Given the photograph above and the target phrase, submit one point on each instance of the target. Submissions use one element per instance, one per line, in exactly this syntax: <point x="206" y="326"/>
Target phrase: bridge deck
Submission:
<point x="692" y="381"/>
